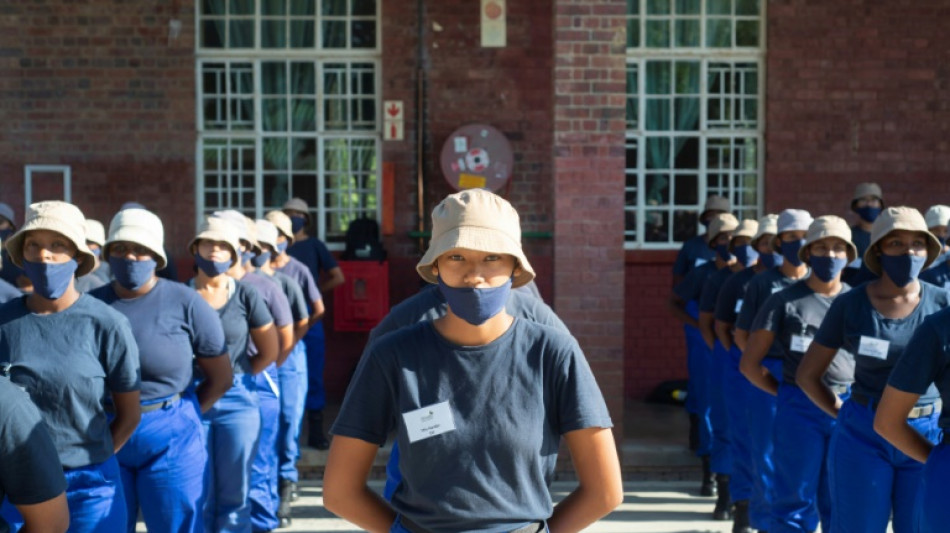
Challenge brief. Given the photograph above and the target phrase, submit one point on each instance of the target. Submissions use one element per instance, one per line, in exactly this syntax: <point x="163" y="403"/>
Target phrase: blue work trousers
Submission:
<point x="933" y="511"/>
<point x="292" y="391"/>
<point x="736" y="389"/>
<point x="316" y="349"/>
<point x="801" y="497"/>
<point x="697" y="397"/>
<point x="232" y="427"/>
<point x="869" y="478"/>
<point x="263" y="497"/>
<point x="163" y="466"/>
<point x="393" y="474"/>
<point x="721" y="449"/>
<point x="760" y="418"/>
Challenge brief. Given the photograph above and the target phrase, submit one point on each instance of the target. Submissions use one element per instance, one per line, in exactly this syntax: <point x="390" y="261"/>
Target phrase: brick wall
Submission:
<point x="99" y="86"/>
<point x="589" y="182"/>
<point x="857" y="91"/>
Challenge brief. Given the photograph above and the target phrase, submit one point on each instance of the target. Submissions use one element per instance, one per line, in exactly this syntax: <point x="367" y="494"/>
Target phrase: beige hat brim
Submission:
<point x="479" y="239"/>
<point x="134" y="236"/>
<point x="84" y="257"/>
<point x="873" y="262"/>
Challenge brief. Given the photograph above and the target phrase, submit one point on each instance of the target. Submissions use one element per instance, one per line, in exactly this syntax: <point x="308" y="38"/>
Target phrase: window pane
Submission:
<point x="632" y="98"/>
<point x="747" y="7"/>
<point x="273" y="7"/>
<point x="719" y="33"/>
<point x="274" y="78"/>
<point x="747" y="33"/>
<point x="633" y="32"/>
<point x="687" y="77"/>
<point x="364" y="7"/>
<point x="658" y="152"/>
<point x="686" y="152"/>
<point x="684" y="224"/>
<point x="275" y="153"/>
<point x="333" y="7"/>
<point x="687" y="190"/>
<point x="364" y="34"/>
<point x="688" y="7"/>
<point x="687" y="114"/>
<point x="303" y="34"/>
<point x="658" y="77"/>
<point x="304" y="114"/>
<point x="212" y="33"/>
<point x="274" y="111"/>
<point x="656" y="225"/>
<point x="658" y="114"/>
<point x="273" y="34"/>
<point x="658" y="7"/>
<point x="213" y="7"/>
<point x="719" y="7"/>
<point x="242" y="7"/>
<point x="303" y="154"/>
<point x="334" y="34"/>
<point x="687" y="33"/>
<point x="241" y="34"/>
<point x="633" y="7"/>
<point x="303" y="78"/>
<point x="658" y="33"/>
<point x="303" y="7"/>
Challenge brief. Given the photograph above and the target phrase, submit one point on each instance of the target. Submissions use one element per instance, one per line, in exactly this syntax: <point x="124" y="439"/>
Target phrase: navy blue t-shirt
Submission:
<point x="69" y="362"/>
<point x="8" y="292"/>
<point x="691" y="288"/>
<point x="759" y="289"/>
<point x="731" y="295"/>
<point x="298" y="304"/>
<point x="30" y="471"/>
<point x="172" y="324"/>
<point x="710" y="292"/>
<point x="926" y="362"/>
<point x="301" y="274"/>
<point x="938" y="275"/>
<point x="314" y="254"/>
<point x="861" y="240"/>
<point x="693" y="253"/>
<point x="245" y="310"/>
<point x="794" y="315"/>
<point x="507" y="404"/>
<point x="877" y="343"/>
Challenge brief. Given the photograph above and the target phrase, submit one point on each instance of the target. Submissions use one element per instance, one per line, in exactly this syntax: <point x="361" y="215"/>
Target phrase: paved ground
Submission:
<point x="650" y="506"/>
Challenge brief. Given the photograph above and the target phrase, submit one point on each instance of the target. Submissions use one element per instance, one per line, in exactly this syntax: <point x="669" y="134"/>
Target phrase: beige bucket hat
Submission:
<point x="266" y="233"/>
<point x="747" y="228"/>
<point x="829" y="226"/>
<point x="218" y="229"/>
<point x="768" y="225"/>
<point x="61" y="217"/>
<point x="721" y="223"/>
<point x="141" y="227"/>
<point x="938" y="215"/>
<point x="95" y="232"/>
<point x="899" y="218"/>
<point x="867" y="189"/>
<point x="716" y="203"/>
<point x="297" y="204"/>
<point x="475" y="219"/>
<point x="282" y="222"/>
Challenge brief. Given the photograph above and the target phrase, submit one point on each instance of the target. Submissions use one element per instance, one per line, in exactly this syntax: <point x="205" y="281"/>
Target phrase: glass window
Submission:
<point x="693" y="114"/>
<point x="289" y="95"/>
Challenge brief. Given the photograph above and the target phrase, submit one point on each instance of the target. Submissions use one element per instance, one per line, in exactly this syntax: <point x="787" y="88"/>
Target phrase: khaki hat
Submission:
<point x="218" y="229"/>
<point x="61" y="217"/>
<point x="240" y="224"/>
<point x="475" y="219"/>
<point x="747" y="228"/>
<point x="791" y="220"/>
<point x="899" y="218"/>
<point x="266" y="233"/>
<point x="282" y="222"/>
<point x="141" y="227"/>
<point x="716" y="203"/>
<point x="298" y="204"/>
<point x="867" y="189"/>
<point x="721" y="223"/>
<point x="829" y="226"/>
<point x="95" y="233"/>
<point x="768" y="225"/>
<point x="938" y="215"/>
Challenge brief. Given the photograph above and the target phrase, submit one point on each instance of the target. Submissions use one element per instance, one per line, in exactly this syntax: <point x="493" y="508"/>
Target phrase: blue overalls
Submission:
<point x="292" y="380"/>
<point x="316" y="349"/>
<point x="760" y="421"/>
<point x="263" y="495"/>
<point x="736" y="396"/>
<point x="721" y="456"/>
<point x="698" y="359"/>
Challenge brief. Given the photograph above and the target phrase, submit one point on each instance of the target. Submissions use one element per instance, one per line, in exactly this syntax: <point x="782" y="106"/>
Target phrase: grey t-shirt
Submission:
<point x="69" y="362"/>
<point x="877" y="343"/>
<point x="509" y="401"/>
<point x="794" y="315"/>
<point x="298" y="304"/>
<point x="244" y="311"/>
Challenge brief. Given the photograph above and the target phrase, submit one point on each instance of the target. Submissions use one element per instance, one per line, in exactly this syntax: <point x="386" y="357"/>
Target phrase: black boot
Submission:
<point x="740" y="520"/>
<point x="284" y="513"/>
<point x="693" y="432"/>
<point x="315" y="438"/>
<point x="723" y="509"/>
<point x="288" y="490"/>
<point x="708" y="488"/>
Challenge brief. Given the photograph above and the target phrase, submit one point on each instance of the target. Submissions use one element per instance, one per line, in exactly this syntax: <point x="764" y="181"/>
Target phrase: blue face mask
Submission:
<point x="745" y="254"/>
<point x="281" y="247"/>
<point x="826" y="267"/>
<point x="722" y="250"/>
<point x="297" y="223"/>
<point x="50" y="280"/>
<point x="5" y="233"/>
<point x="246" y="256"/>
<point x="771" y="260"/>
<point x="902" y="269"/>
<point x="262" y="258"/>
<point x="790" y="251"/>
<point x="212" y="268"/>
<point x="868" y="213"/>
<point x="132" y="274"/>
<point x="96" y="252"/>
<point x="475" y="306"/>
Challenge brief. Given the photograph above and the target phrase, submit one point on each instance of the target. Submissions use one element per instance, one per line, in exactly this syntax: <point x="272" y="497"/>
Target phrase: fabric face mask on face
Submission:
<point x="212" y="268"/>
<point x="868" y="214"/>
<point x="50" y="280"/>
<point x="475" y="306"/>
<point x="262" y="258"/>
<point x="132" y="274"/>
<point x="826" y="267"/>
<point x="790" y="251"/>
<point x="745" y="254"/>
<point x="902" y="269"/>
<point x="771" y="260"/>
<point x="297" y="224"/>
<point x="281" y="247"/>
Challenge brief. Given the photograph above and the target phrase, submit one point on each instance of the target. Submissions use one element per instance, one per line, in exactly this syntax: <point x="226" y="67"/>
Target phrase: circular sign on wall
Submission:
<point x="477" y="156"/>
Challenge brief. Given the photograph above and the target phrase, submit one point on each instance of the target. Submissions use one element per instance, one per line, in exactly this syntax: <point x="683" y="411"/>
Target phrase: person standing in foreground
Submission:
<point x="788" y="320"/>
<point x="479" y="384"/>
<point x="164" y="461"/>
<point x="72" y="353"/>
<point x="871" y="481"/>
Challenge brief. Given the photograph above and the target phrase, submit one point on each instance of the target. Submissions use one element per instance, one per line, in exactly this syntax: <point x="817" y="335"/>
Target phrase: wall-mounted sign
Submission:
<point x="394" y="121"/>
<point x="477" y="156"/>
<point x="494" y="28"/>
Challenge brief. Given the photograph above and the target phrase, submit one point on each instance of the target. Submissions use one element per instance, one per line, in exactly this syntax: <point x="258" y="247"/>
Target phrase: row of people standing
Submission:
<point x="147" y="387"/>
<point x="800" y="337"/>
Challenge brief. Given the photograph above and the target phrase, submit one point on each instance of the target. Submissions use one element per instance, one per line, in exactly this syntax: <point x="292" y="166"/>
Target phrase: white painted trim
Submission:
<point x="28" y="171"/>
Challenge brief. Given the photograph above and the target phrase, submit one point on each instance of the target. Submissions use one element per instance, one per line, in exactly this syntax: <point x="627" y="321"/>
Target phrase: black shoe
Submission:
<point x="708" y="487"/>
<point x="315" y="437"/>
<point x="284" y="522"/>
<point x="723" y="509"/>
<point x="288" y="491"/>
<point x="740" y="521"/>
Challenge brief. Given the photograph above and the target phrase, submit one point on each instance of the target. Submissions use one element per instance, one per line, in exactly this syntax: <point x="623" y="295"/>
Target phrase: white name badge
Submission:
<point x="429" y="421"/>
<point x="800" y="343"/>
<point x="776" y="289"/>
<point x="871" y="347"/>
<point x="738" y="305"/>
<point x="699" y="261"/>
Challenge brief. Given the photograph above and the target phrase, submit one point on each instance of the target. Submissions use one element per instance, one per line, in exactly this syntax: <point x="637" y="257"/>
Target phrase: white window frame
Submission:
<point x="704" y="55"/>
<point x="257" y="55"/>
